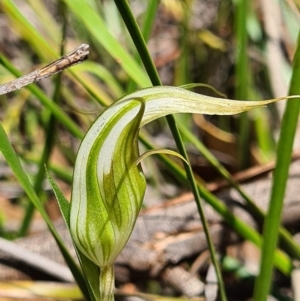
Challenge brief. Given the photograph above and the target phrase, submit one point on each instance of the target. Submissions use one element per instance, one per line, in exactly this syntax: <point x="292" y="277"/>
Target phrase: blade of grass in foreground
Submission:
<point x="139" y="42"/>
<point x="14" y="163"/>
<point x="284" y="151"/>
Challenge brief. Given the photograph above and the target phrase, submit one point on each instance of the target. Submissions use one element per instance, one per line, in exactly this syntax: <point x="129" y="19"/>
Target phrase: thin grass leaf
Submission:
<point x="288" y="243"/>
<point x="242" y="79"/>
<point x="44" y="48"/>
<point x="96" y="26"/>
<point x="149" y="19"/>
<point x="280" y="177"/>
<point x="86" y="264"/>
<point x="106" y="77"/>
<point x="45" y="100"/>
<point x="282" y="261"/>
<point x="50" y="26"/>
<point x="13" y="161"/>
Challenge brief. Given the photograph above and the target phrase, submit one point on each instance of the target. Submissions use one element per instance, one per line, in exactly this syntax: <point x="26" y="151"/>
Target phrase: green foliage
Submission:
<point x="113" y="68"/>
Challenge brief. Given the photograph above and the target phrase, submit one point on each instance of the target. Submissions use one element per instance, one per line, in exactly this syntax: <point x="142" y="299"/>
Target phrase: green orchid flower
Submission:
<point x="109" y="186"/>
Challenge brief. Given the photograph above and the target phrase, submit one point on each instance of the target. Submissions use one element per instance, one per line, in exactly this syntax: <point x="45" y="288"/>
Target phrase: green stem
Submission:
<point x="284" y="151"/>
<point x="107" y="283"/>
<point x="141" y="46"/>
<point x="146" y="31"/>
<point x="242" y="70"/>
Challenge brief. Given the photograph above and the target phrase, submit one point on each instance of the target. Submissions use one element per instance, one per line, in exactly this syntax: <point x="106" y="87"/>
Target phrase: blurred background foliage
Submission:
<point x="243" y="49"/>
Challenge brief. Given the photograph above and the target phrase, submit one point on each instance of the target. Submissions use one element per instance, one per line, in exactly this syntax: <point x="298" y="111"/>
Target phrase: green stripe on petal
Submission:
<point x="108" y="187"/>
<point x="164" y="100"/>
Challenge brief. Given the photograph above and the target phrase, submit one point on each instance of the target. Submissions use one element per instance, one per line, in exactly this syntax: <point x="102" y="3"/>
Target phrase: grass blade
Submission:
<point x="96" y="26"/>
<point x="284" y="151"/>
